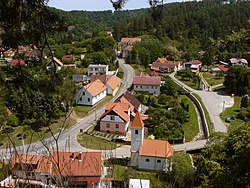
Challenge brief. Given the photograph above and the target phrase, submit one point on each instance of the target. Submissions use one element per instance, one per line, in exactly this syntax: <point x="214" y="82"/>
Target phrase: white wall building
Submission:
<point x="97" y="69"/>
<point x="147" y="84"/>
<point x="91" y="93"/>
<point x="146" y="153"/>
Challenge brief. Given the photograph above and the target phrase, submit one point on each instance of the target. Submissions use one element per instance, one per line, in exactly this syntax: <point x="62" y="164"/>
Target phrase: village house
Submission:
<point x="135" y="104"/>
<point x="68" y="58"/>
<point x="147" y="84"/>
<point x="127" y="46"/>
<point x="116" y="118"/>
<point x="238" y="61"/>
<point x="34" y="56"/>
<point x="91" y="93"/>
<point x="163" y="65"/>
<point x="148" y="154"/>
<point x="195" y="66"/>
<point x="112" y="82"/>
<point x="97" y="69"/>
<point x="17" y="62"/>
<point x="72" y="169"/>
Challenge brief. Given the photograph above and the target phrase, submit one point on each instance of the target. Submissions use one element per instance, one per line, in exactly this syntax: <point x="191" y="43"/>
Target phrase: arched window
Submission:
<point x="147" y="160"/>
<point x="158" y="161"/>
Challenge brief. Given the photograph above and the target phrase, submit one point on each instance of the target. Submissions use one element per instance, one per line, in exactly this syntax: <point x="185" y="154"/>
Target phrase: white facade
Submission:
<point x="152" y="89"/>
<point x="85" y="98"/>
<point x="152" y="163"/>
<point x="97" y="69"/>
<point x="137" y="136"/>
<point x="139" y="183"/>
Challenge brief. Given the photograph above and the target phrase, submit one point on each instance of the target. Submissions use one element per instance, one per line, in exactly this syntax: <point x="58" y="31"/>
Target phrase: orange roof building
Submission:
<point x="116" y="118"/>
<point x="91" y="93"/>
<point x="76" y="168"/>
<point x="146" y="153"/>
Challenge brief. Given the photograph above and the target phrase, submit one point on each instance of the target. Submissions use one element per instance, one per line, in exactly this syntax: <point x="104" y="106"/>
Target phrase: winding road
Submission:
<point x="68" y="139"/>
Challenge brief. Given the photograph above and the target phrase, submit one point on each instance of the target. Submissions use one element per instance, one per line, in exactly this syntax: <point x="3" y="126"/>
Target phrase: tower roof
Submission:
<point x="137" y="122"/>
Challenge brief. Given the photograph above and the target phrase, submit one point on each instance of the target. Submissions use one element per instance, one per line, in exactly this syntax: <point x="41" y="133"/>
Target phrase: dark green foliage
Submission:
<point x="237" y="80"/>
<point x="244" y="101"/>
<point x="224" y="163"/>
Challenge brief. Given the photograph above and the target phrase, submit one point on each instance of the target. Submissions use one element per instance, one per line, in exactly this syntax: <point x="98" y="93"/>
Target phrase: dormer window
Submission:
<point x="112" y="117"/>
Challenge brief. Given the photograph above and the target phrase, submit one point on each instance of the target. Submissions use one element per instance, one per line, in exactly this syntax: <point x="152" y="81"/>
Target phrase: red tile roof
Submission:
<point x="137" y="122"/>
<point x="77" y="164"/>
<point x="96" y="87"/>
<point x="164" y="63"/>
<point x="113" y="82"/>
<point x="131" y="99"/>
<point x="150" y="81"/>
<point x="16" y="62"/>
<point x="153" y="73"/>
<point x="67" y="58"/>
<point x="70" y="164"/>
<point x="126" y="40"/>
<point x="224" y="68"/>
<point x="156" y="148"/>
<point x="144" y="74"/>
<point x="117" y="108"/>
<point x="196" y="62"/>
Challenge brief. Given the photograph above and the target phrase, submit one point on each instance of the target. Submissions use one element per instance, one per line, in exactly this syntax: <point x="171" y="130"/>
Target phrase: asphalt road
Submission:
<point x="214" y="102"/>
<point x="68" y="139"/>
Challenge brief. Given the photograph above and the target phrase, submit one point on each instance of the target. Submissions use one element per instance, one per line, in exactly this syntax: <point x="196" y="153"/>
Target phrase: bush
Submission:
<point x="12" y="120"/>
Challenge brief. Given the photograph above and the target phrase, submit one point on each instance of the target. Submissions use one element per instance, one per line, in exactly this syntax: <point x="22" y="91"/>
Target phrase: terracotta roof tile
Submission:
<point x="118" y="108"/>
<point x="95" y="87"/>
<point x="137" y="122"/>
<point x="126" y="40"/>
<point x="131" y="99"/>
<point x="224" y="68"/>
<point x="196" y="62"/>
<point x="156" y="148"/>
<point x="142" y="80"/>
<point x="114" y="82"/>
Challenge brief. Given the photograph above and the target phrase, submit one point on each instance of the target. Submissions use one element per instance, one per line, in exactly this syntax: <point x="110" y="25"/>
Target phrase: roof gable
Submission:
<point x="113" y="82"/>
<point x="96" y="87"/>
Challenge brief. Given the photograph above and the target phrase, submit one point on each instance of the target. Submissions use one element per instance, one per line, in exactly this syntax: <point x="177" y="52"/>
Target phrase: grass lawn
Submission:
<point x="83" y="111"/>
<point x="188" y="82"/>
<point x="92" y="142"/>
<point x="32" y="134"/>
<point x="191" y="128"/>
<point x="211" y="79"/>
<point x="234" y="110"/>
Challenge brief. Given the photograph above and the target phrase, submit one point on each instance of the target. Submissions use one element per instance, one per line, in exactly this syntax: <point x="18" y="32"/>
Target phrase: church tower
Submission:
<point x="137" y="136"/>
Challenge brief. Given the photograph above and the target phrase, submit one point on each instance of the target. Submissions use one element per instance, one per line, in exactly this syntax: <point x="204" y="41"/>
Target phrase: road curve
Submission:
<point x="68" y="139"/>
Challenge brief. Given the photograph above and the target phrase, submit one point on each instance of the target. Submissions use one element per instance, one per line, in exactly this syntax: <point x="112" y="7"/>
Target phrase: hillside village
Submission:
<point x="116" y="109"/>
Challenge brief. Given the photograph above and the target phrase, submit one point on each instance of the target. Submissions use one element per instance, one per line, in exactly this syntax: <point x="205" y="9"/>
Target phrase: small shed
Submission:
<point x="139" y="183"/>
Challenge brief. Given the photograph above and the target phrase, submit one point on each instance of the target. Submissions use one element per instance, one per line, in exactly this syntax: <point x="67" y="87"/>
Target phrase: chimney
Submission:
<point x="71" y="156"/>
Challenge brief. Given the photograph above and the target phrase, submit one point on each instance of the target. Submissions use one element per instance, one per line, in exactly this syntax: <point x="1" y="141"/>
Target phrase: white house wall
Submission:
<point x="136" y="139"/>
<point x="83" y="99"/>
<point x="108" y="118"/>
<point x="154" y="90"/>
<point x="152" y="164"/>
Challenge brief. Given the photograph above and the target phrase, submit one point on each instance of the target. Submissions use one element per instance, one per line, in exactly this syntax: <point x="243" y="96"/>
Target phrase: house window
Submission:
<point x="152" y="87"/>
<point x="136" y="86"/>
<point x="117" y="126"/>
<point x="158" y="161"/>
<point x="112" y="117"/>
<point x="80" y="98"/>
<point x="83" y="93"/>
<point x="107" y="125"/>
<point x="136" y="131"/>
<point x="88" y="99"/>
<point x="147" y="160"/>
<point x="141" y="86"/>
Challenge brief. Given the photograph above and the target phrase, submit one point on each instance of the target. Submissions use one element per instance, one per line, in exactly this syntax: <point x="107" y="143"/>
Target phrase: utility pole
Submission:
<point x="24" y="150"/>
